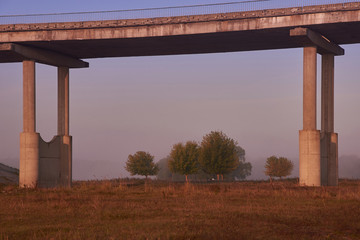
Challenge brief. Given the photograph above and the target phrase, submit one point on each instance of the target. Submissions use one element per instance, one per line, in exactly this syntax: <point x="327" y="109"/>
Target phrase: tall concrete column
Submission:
<point x="29" y="139"/>
<point x="329" y="139"/>
<point x="63" y="101"/>
<point x="63" y="127"/>
<point x="29" y="95"/>
<point x="309" y="137"/>
<point x="327" y="93"/>
<point x="309" y="89"/>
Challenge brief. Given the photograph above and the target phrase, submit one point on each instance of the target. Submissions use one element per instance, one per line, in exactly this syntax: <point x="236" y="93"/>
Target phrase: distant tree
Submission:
<point x="218" y="154"/>
<point x="141" y="163"/>
<point x="278" y="167"/>
<point x="244" y="168"/>
<point x="184" y="158"/>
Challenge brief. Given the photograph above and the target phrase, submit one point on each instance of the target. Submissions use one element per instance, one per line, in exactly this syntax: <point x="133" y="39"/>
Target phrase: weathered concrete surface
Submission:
<point x="307" y="37"/>
<point x="20" y="53"/>
<point x="309" y="165"/>
<point x="29" y="159"/>
<point x="243" y="31"/>
<point x="29" y="139"/>
<point x="29" y="91"/>
<point x="333" y="163"/>
<point x="49" y="165"/>
<point x="327" y="93"/>
<point x="64" y="127"/>
<point x="329" y="139"/>
<point x="318" y="150"/>
<point x="66" y="161"/>
<point x="55" y="162"/>
<point x="45" y="164"/>
<point x="329" y="159"/>
<point x="63" y="101"/>
<point x="309" y="88"/>
<point x="309" y="137"/>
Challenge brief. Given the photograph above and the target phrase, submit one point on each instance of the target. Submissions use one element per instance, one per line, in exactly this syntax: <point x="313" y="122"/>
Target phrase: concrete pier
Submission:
<point x="318" y="151"/>
<point x="309" y="137"/>
<point x="45" y="164"/>
<point x="63" y="127"/>
<point x="29" y="139"/>
<point x="56" y="156"/>
<point x="329" y="139"/>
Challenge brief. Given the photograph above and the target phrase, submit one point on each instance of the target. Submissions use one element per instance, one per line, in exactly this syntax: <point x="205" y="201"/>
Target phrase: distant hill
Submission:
<point x="8" y="175"/>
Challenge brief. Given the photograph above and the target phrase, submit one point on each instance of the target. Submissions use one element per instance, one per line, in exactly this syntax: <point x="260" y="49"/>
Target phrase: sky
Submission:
<point x="122" y="105"/>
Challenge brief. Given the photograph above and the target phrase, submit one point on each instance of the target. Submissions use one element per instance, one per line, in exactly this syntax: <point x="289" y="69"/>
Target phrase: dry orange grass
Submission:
<point x="122" y="209"/>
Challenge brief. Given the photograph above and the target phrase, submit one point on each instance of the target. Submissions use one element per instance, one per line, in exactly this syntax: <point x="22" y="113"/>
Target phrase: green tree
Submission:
<point x="184" y="158"/>
<point x="278" y="167"/>
<point x="141" y="163"/>
<point x="244" y="168"/>
<point x="218" y="154"/>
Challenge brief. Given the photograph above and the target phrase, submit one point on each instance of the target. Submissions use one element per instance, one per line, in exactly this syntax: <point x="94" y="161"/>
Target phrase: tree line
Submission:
<point x="217" y="155"/>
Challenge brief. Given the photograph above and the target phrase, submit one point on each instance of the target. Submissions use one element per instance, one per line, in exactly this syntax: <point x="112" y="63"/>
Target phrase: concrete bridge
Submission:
<point x="316" y="29"/>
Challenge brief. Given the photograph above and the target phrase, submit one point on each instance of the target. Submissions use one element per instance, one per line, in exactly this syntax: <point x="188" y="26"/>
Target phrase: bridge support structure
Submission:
<point x="309" y="137"/>
<point x="45" y="164"/>
<point x="329" y="139"/>
<point x="318" y="149"/>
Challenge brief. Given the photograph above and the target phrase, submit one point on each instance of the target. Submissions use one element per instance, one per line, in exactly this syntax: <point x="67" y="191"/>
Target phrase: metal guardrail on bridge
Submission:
<point x="214" y="8"/>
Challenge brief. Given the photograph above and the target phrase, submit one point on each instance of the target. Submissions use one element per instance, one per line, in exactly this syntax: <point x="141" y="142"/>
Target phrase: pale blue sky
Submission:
<point x="122" y="105"/>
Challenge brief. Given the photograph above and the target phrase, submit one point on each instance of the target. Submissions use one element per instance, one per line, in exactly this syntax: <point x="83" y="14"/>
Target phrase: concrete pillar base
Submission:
<point x="310" y="158"/>
<point x="333" y="164"/>
<point x="55" y="162"/>
<point x="329" y="159"/>
<point x="29" y="159"/>
<point x="66" y="161"/>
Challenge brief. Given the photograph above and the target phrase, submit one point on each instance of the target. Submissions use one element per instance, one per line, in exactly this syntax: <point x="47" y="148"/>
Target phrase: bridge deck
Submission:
<point x="243" y="31"/>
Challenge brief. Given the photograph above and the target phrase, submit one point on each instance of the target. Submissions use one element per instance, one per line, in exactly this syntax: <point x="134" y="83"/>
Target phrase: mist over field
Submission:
<point x="349" y="167"/>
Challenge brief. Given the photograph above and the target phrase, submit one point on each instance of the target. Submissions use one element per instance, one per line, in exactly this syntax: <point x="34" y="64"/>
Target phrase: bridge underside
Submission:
<point x="268" y="39"/>
<point x="230" y="32"/>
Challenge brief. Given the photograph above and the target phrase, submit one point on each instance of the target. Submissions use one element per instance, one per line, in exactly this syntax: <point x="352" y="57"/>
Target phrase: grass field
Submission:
<point x="121" y="209"/>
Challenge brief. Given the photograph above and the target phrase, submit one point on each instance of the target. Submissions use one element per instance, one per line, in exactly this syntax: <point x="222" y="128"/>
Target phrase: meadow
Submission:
<point x="135" y="209"/>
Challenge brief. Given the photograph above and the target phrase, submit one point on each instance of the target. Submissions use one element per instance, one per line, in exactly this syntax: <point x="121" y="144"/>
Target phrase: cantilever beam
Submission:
<point x="306" y="37"/>
<point x="17" y="53"/>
